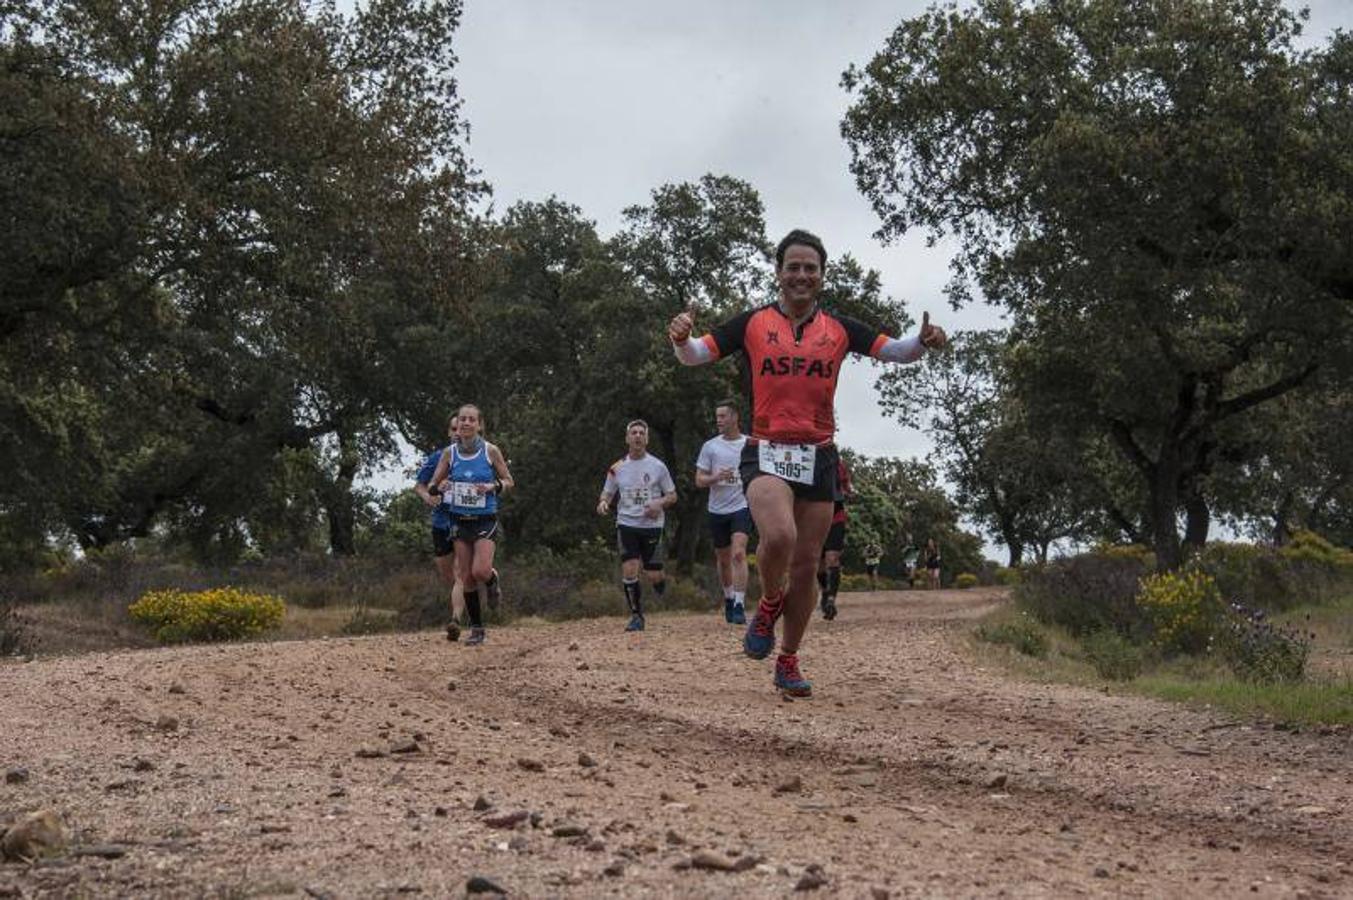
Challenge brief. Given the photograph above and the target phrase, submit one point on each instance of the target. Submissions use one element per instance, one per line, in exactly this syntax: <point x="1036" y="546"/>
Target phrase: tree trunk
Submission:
<point x="1163" y="511"/>
<point x="1016" y="552"/>
<point x="1197" y="520"/>
<point x="338" y="504"/>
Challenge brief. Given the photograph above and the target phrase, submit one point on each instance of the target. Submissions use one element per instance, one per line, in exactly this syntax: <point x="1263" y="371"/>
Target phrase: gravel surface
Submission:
<point x="576" y="760"/>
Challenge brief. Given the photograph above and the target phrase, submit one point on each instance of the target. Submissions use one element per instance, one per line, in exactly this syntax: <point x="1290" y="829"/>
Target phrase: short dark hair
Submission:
<point x="729" y="403"/>
<point x="803" y="238"/>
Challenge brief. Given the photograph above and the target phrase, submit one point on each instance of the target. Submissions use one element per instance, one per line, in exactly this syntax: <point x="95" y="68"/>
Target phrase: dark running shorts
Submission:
<point x="723" y="526"/>
<point x="824" y="472"/>
<point x="640" y="543"/>
<point x="441" y="541"/>
<point x="469" y="529"/>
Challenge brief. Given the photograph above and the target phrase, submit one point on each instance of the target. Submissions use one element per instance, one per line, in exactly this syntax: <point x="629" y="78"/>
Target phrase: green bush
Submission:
<point x="1023" y="636"/>
<point x="965" y="580"/>
<point x="1183" y="609"/>
<point x="1085" y="593"/>
<point x="1006" y="575"/>
<point x="219" y="614"/>
<point x="1307" y="570"/>
<point x="1258" y="651"/>
<point x="1113" y="656"/>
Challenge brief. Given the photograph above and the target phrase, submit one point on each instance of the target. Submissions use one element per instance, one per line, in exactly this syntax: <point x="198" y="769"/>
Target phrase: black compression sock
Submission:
<point x="833" y="581"/>
<point x="634" y="596"/>
<point x="474" y="609"/>
<point x="822" y="579"/>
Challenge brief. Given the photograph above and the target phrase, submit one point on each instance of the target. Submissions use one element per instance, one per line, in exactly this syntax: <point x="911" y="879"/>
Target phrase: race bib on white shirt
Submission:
<point x="464" y="493"/>
<point x="792" y="462"/>
<point x="636" y="498"/>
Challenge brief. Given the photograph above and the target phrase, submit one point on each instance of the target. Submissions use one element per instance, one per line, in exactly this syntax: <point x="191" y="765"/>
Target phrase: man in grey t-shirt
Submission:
<point x="643" y="489"/>
<point x="730" y="522"/>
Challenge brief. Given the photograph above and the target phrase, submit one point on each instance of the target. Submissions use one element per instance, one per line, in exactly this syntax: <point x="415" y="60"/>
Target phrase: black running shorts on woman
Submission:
<point x="824" y="471"/>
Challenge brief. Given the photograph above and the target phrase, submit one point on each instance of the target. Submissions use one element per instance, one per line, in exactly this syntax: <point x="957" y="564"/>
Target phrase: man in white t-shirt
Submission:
<point x="730" y="522"/>
<point x="643" y="489"/>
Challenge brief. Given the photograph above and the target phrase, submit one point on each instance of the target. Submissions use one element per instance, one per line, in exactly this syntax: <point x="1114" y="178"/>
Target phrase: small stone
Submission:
<point x="530" y="765"/>
<point x="177" y="688"/>
<point x="369" y="752"/>
<point x="16" y="775"/>
<point x="792" y="785"/>
<point x="711" y="862"/>
<point x="1312" y="810"/>
<point x="1101" y="872"/>
<point x="569" y="829"/>
<point x="583" y="667"/>
<point x="878" y="893"/>
<point x="508" y="820"/>
<point x="478" y="884"/>
<point x="997" y="781"/>
<point x="558" y="731"/>
<point x="482" y="803"/>
<point x="451" y="685"/>
<point x="573" y="646"/>
<point x="337" y="791"/>
<point x="35" y="835"/>
<point x="167" y="723"/>
<point x="614" y="870"/>
<point x="812" y="879"/>
<point x="440" y="812"/>
<point x="744" y="864"/>
<point x="674" y="838"/>
<point x="586" y="761"/>
<point x="405" y="745"/>
<point x="595" y="846"/>
<point x="142" y="765"/>
<point x="849" y="817"/>
<point x="102" y="851"/>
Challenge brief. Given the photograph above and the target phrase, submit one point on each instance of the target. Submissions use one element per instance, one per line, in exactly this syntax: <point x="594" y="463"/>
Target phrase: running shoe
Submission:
<point x="828" y="609"/>
<point x="476" y="637"/>
<point x="759" y="640"/>
<point x="738" y="616"/>
<point x="728" y="609"/>
<point x="789" y="679"/>
<point x="636" y="624"/>
<point x="453" y="630"/>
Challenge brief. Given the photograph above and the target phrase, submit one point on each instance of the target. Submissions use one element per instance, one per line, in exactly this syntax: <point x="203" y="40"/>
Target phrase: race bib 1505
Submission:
<point x="792" y="462"/>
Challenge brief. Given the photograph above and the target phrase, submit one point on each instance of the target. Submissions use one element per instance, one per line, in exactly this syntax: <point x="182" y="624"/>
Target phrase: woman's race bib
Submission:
<point x="464" y="493"/>
<point x="792" y="462"/>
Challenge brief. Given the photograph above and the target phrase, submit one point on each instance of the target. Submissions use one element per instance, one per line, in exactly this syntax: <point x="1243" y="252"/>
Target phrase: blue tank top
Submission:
<point x="467" y="471"/>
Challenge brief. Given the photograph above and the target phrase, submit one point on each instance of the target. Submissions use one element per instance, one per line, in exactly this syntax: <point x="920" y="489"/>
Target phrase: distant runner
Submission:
<point x="730" y="522"/>
<point x="873" y="555"/>
<point x="794" y="353"/>
<point x="443" y="552"/>
<point x="473" y="475"/>
<point x="829" y="567"/>
<point x="645" y="490"/>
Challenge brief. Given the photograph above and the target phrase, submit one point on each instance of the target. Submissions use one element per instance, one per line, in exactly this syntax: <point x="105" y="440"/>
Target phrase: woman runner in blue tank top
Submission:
<point x="472" y="474"/>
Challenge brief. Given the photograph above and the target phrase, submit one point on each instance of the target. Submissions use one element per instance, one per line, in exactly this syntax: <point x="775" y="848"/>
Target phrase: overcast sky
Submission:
<point x="601" y="101"/>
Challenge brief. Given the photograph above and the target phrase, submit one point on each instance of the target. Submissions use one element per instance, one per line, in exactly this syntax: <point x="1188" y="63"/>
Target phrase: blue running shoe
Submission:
<point x="759" y="640"/>
<point x="728" y="609"/>
<point x="636" y="624"/>
<point x="476" y="637"/>
<point x="789" y="679"/>
<point x="738" y="616"/>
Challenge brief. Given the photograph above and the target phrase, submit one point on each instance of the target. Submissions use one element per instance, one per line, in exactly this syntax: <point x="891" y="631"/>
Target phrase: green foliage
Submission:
<point x="1024" y="636"/>
<point x="1007" y="575"/>
<point x="965" y="580"/>
<point x="221" y="614"/>
<point x="1308" y="571"/>
<point x="1183" y="610"/>
<point x="1114" y="656"/>
<point x="1149" y="325"/>
<point x="1085" y="594"/>
<point x="1258" y="651"/>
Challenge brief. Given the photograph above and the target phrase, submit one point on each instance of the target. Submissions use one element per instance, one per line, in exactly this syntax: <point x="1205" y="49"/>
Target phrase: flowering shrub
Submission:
<point x="1006" y="575"/>
<point x="1257" y="650"/>
<point x="965" y="580"/>
<point x="1183" y="609"/>
<point x="219" y="614"/>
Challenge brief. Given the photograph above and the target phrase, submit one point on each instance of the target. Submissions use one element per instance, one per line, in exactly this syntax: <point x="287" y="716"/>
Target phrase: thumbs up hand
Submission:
<point x="680" y="328"/>
<point x="932" y="336"/>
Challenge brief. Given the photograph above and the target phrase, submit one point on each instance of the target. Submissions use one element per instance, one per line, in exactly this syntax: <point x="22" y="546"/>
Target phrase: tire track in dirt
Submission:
<point x="900" y="758"/>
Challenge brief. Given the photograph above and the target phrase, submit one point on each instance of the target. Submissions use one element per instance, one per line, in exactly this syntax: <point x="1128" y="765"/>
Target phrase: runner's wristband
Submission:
<point x="497" y="485"/>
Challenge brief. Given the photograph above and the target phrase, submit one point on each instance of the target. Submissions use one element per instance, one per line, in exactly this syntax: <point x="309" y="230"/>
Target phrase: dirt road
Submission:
<point x="276" y="769"/>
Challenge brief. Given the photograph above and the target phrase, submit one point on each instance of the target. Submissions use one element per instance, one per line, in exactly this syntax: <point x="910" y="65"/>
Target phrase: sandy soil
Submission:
<point x="271" y="769"/>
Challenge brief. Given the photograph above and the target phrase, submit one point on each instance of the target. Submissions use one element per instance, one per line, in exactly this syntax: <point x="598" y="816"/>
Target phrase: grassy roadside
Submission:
<point x="1045" y="654"/>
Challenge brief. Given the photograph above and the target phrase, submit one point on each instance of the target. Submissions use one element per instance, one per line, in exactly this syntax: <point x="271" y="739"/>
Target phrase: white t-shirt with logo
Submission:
<point x="634" y="482"/>
<point x="720" y="453"/>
